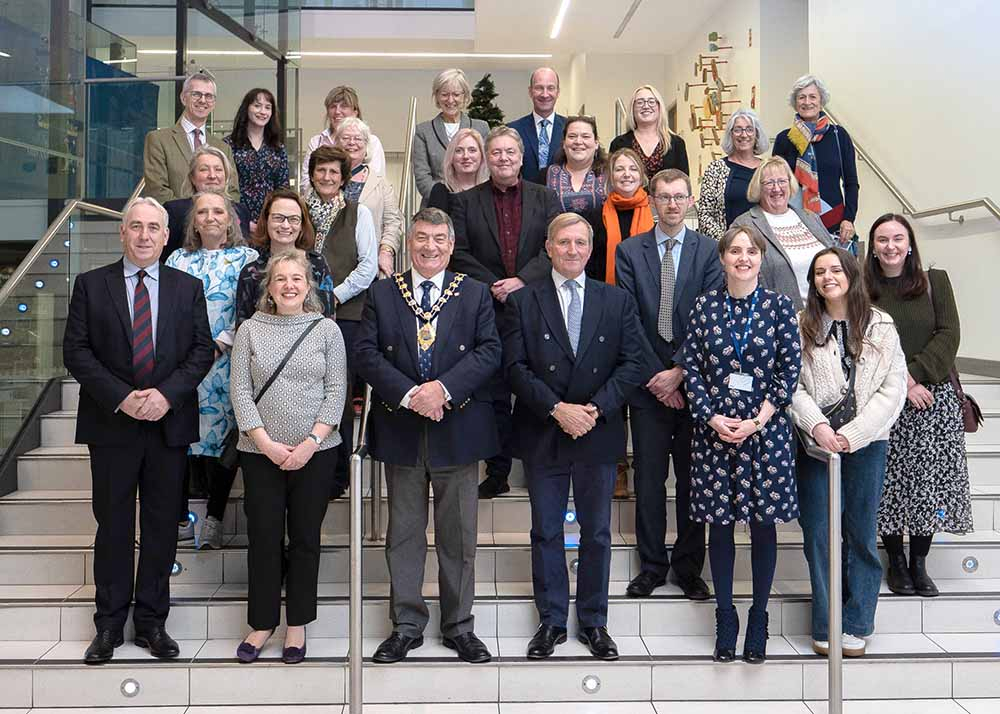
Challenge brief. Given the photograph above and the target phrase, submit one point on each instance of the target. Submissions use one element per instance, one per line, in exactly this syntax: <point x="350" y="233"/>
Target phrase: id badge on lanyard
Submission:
<point x="740" y="381"/>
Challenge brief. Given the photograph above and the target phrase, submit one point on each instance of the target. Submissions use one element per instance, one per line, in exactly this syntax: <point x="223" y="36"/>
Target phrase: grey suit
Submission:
<point x="776" y="271"/>
<point x="430" y="141"/>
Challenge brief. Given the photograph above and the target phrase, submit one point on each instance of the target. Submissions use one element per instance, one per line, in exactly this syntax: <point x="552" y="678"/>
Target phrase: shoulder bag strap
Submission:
<point x="284" y="361"/>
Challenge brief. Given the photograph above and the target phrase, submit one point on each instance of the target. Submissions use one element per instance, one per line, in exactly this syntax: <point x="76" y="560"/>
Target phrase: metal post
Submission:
<point x="354" y="656"/>
<point x="180" y="53"/>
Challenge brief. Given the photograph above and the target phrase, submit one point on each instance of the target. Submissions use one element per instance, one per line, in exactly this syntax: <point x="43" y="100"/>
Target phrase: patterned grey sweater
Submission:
<point x="311" y="388"/>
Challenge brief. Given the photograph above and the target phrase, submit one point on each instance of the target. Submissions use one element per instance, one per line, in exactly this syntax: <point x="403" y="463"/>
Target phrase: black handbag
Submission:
<point x="230" y="456"/>
<point x="846" y="408"/>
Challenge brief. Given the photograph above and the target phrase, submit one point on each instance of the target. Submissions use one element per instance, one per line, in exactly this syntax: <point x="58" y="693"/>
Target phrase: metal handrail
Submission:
<point x="355" y="661"/>
<point x="407" y="186"/>
<point x="835" y="665"/>
<point x="908" y="207"/>
<point x="621" y="116"/>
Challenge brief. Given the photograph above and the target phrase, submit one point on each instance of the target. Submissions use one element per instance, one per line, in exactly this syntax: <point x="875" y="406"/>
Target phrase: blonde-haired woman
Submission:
<point x="451" y="93"/>
<point x="649" y="136"/>
<point x="342" y="102"/>
<point x="464" y="167"/>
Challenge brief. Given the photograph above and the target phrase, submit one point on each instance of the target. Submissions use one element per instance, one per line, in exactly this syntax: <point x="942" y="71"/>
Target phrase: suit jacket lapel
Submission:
<point x="408" y="321"/>
<point x="652" y="256"/>
<point x="548" y="302"/>
<point x="593" y="308"/>
<point x="527" y="220"/>
<point x="555" y="138"/>
<point x="115" y="280"/>
<point x="445" y="321"/>
<point x="532" y="137"/>
<point x="167" y="295"/>
<point x="484" y="193"/>
<point x="440" y="133"/>
<point x="180" y="138"/>
<point x="688" y="249"/>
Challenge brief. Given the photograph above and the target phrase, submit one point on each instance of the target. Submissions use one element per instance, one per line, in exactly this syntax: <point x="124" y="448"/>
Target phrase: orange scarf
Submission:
<point x="642" y="221"/>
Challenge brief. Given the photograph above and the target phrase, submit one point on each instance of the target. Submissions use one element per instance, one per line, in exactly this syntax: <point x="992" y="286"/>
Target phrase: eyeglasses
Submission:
<point x="291" y="220"/>
<point x="774" y="183"/>
<point x="198" y="96"/>
<point x="646" y="103"/>
<point x="747" y="130"/>
<point x="351" y="140"/>
<point x="677" y="198"/>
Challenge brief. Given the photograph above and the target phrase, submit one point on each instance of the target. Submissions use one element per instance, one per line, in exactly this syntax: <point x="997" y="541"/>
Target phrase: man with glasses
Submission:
<point x="665" y="270"/>
<point x="167" y="153"/>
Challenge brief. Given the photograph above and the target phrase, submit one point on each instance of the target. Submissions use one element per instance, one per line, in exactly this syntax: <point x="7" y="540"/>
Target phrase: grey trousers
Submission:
<point x="456" y="510"/>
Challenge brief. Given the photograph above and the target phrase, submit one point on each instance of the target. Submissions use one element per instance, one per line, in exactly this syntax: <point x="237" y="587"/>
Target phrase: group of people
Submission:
<point x="556" y="301"/>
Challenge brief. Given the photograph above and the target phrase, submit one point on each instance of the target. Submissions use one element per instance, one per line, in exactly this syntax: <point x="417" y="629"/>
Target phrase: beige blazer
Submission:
<point x="380" y="198"/>
<point x="166" y="157"/>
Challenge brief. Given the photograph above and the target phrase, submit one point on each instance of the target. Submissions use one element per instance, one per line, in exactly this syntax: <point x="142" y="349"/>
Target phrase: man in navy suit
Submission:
<point x="542" y="130"/>
<point x="428" y="346"/>
<point x="664" y="270"/>
<point x="138" y="342"/>
<point x="572" y="354"/>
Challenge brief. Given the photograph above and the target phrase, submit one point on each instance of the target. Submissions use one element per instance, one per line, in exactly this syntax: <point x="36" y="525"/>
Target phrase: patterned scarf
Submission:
<point x="323" y="214"/>
<point x="803" y="135"/>
<point x="642" y="221"/>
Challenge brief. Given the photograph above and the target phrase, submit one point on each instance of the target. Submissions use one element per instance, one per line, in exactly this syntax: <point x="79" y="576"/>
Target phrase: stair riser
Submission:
<point x="989" y="432"/>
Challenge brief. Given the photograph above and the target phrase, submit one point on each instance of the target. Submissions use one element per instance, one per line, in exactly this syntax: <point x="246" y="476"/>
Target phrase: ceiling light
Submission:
<point x="560" y="16"/>
<point x="425" y="55"/>
<point x="627" y="18"/>
<point x="220" y="53"/>
<point x="4" y="54"/>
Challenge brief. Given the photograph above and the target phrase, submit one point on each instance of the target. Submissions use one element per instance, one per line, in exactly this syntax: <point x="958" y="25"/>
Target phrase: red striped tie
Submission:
<point x="142" y="334"/>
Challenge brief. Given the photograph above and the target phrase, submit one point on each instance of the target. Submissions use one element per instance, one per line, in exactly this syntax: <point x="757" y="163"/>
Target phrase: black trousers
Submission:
<point x="661" y="434"/>
<point x="349" y="329"/>
<point x="272" y="495"/>
<point x="499" y="465"/>
<point x="156" y="471"/>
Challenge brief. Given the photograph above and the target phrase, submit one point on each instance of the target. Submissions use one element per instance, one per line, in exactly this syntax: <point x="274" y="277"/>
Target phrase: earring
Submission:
<point x="270" y="300"/>
<point x="909" y="251"/>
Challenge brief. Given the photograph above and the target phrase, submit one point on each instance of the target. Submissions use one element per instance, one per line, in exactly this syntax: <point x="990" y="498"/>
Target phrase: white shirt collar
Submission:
<point x="559" y="279"/>
<point x="152" y="271"/>
<point x="189" y="127"/>
<point x="538" y="118"/>
<point x="417" y="278"/>
<point x="661" y="237"/>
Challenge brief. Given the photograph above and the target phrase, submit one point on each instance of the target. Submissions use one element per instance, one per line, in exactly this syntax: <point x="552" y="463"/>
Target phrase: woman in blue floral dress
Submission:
<point x="213" y="252"/>
<point x="741" y="360"/>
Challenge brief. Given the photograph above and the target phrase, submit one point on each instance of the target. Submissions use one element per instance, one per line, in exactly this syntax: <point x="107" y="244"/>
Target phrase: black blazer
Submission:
<point x="525" y="126"/>
<point x="542" y="370"/>
<point x="477" y="238"/>
<point x="637" y="271"/>
<point x="676" y="158"/>
<point x="466" y="356"/>
<point x="97" y="351"/>
<point x="177" y="214"/>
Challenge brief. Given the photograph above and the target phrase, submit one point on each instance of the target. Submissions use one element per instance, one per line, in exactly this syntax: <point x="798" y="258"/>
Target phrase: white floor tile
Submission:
<point x="430" y="709"/>
<point x="36" y="592"/>
<point x="73" y="650"/>
<point x="108" y="710"/>
<point x="23" y="650"/>
<point x="579" y="708"/>
<point x="879" y="644"/>
<point x="897" y="706"/>
<point x="705" y="682"/>
<point x="976" y="679"/>
<point x="731" y="708"/>
<point x="627" y="647"/>
<point x="300" y="709"/>
<point x="875" y="679"/>
<point x="980" y="706"/>
<point x="695" y="645"/>
<point x="978" y="642"/>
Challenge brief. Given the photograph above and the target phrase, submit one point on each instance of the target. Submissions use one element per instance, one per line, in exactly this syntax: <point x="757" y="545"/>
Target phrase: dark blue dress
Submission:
<point x="755" y="481"/>
<point x="736" y="191"/>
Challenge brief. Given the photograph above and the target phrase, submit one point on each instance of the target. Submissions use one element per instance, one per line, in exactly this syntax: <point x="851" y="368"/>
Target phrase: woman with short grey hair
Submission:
<point x="723" y="194"/>
<point x="822" y="157"/>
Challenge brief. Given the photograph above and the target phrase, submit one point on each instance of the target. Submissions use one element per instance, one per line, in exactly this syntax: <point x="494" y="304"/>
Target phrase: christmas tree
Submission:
<point x="482" y="106"/>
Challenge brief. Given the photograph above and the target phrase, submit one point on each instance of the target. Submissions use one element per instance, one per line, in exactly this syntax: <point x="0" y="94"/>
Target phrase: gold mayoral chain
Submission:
<point x="425" y="335"/>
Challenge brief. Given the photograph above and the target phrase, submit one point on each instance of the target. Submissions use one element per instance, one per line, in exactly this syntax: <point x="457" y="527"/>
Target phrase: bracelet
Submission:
<point x="387" y="249"/>
<point x="756" y="423"/>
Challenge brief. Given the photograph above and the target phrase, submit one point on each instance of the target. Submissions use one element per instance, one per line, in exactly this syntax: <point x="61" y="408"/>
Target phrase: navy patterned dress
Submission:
<point x="755" y="481"/>
<point x="260" y="171"/>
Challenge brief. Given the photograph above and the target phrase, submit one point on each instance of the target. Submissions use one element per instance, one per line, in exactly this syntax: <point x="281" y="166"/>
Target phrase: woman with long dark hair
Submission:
<point x="258" y="150"/>
<point x="927" y="473"/>
<point x="851" y="389"/>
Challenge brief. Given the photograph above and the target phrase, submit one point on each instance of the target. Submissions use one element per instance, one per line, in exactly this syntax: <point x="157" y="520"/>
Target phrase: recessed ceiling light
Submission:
<point x="560" y="16"/>
<point x="4" y="54"/>
<point x="433" y="55"/>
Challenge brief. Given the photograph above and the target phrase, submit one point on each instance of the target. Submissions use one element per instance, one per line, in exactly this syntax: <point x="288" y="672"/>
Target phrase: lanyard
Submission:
<point x="740" y="343"/>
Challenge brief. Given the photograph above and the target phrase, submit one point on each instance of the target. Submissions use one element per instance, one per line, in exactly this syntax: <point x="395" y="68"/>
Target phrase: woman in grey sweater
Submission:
<point x="286" y="446"/>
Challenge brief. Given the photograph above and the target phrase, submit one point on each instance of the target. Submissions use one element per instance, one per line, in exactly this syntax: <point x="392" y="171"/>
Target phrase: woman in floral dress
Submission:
<point x="741" y="361"/>
<point x="213" y="252"/>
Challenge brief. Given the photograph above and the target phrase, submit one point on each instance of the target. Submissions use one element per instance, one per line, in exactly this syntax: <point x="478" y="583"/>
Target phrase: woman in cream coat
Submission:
<point x="844" y="337"/>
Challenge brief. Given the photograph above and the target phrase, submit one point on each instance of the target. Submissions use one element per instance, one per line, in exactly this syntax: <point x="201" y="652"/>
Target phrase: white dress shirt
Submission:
<point x="551" y="118"/>
<point x="418" y="295"/>
<point x="189" y="132"/>
<point x="565" y="294"/>
<point x="661" y="245"/>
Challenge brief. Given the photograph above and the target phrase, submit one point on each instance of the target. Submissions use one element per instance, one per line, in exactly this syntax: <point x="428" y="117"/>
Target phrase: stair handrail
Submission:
<point x="408" y="196"/>
<point x="621" y="116"/>
<point x="908" y="207"/>
<point x="835" y="664"/>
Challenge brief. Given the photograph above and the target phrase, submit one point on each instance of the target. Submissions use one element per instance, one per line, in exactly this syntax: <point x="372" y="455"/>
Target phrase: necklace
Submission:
<point x="426" y="334"/>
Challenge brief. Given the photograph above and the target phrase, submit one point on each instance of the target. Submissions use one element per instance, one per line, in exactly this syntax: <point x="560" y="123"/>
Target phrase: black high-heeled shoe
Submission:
<point x="727" y="629"/>
<point x="755" y="645"/>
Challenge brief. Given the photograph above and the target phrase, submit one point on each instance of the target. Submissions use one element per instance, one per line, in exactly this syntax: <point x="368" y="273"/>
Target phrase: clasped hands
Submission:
<point x="429" y="400"/>
<point x="665" y="386"/>
<point x="145" y="404"/>
<point x="502" y="288"/>
<point x="731" y="430"/>
<point x="575" y="419"/>
<point x="288" y="458"/>
<point x="830" y="440"/>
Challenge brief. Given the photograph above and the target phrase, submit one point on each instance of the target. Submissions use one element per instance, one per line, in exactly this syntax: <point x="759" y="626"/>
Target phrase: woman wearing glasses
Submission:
<point x="649" y="136"/>
<point x="794" y="234"/>
<point x="723" y="194"/>
<point x="283" y="226"/>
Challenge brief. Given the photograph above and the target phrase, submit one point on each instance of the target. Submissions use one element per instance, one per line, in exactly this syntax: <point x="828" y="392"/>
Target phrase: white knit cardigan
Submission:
<point x="879" y="387"/>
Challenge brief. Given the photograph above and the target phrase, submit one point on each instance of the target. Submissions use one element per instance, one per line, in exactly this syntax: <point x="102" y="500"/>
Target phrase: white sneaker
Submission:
<point x="853" y="646"/>
<point x="185" y="531"/>
<point x="821" y="647"/>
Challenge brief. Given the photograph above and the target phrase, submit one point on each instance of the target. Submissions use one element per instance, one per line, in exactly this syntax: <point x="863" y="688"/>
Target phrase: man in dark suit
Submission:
<point x="542" y="130"/>
<point x="428" y="346"/>
<point x="572" y="354"/>
<point x="665" y="269"/>
<point x="500" y="240"/>
<point x="138" y="342"/>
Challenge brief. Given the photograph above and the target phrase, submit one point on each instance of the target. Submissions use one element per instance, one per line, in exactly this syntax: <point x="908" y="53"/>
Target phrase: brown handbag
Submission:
<point x="972" y="414"/>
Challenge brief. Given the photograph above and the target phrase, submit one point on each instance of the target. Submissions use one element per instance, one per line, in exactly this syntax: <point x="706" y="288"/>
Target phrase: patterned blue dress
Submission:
<point x="219" y="272"/>
<point x="754" y="481"/>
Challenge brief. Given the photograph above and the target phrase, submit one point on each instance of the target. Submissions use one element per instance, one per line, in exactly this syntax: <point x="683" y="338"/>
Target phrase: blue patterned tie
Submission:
<point x="424" y="356"/>
<point x="543" y="144"/>
<point x="574" y="315"/>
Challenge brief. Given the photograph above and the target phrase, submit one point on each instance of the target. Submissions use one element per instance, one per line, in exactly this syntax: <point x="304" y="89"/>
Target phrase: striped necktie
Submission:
<point x="196" y="135"/>
<point x="665" y="318"/>
<point x="143" y="359"/>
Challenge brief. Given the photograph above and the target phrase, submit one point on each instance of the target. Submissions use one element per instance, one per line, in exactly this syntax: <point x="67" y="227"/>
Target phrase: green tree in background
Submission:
<point x="482" y="106"/>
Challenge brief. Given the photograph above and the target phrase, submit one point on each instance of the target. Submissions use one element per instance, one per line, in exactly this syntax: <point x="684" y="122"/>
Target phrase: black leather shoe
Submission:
<point x="922" y="583"/>
<point x="694" y="588"/>
<point x="599" y="642"/>
<point x="493" y="486"/>
<point x="644" y="584"/>
<point x="395" y="648"/>
<point x="898" y="578"/>
<point x="544" y="641"/>
<point x="469" y="647"/>
<point x="102" y="648"/>
<point x="158" y="642"/>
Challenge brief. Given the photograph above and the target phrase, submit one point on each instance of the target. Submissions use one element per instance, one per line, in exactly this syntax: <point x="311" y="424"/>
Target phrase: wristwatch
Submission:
<point x="756" y="423"/>
<point x="315" y="439"/>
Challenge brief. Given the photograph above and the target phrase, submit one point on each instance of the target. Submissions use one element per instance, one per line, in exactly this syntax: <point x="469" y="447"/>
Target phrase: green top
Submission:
<point x="929" y="334"/>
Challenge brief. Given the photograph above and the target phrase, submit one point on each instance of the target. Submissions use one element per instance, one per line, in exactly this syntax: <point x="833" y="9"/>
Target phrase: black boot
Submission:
<point x="922" y="582"/>
<point x="727" y="629"/>
<point x="898" y="578"/>
<point x="755" y="645"/>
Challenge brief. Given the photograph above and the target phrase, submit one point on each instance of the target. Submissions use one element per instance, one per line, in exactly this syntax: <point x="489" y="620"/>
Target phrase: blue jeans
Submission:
<point x="861" y="490"/>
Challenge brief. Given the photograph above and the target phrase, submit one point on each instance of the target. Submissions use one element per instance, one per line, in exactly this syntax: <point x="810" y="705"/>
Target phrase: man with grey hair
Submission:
<point x="542" y="129"/>
<point x="428" y="346"/>
<point x="138" y="342"/>
<point x="500" y="240"/>
<point x="167" y="152"/>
